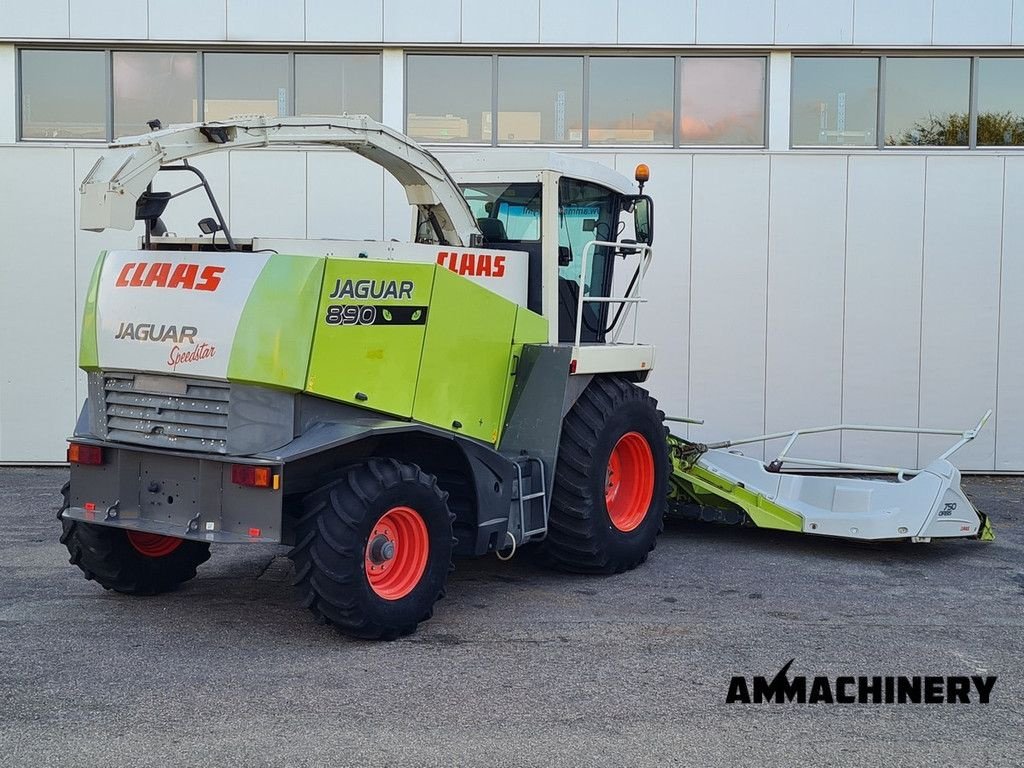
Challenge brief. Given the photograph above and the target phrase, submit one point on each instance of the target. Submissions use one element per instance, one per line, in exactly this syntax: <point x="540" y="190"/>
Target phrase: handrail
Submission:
<point x="631" y="299"/>
<point x="966" y="436"/>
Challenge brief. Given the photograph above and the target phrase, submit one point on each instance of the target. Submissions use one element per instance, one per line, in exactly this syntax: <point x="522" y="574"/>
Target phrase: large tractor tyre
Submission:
<point x="611" y="480"/>
<point x="374" y="550"/>
<point x="130" y="562"/>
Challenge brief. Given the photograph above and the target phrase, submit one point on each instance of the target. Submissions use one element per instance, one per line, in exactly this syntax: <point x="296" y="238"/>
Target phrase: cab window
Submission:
<point x="586" y="212"/>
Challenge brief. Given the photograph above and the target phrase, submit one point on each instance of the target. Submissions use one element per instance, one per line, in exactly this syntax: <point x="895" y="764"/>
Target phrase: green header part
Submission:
<point x="275" y="332"/>
<point x="692" y="482"/>
<point x="88" y="353"/>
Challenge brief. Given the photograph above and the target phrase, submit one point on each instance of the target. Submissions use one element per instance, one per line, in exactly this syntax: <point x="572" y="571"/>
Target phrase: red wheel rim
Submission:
<point x="153" y="544"/>
<point x="396" y="553"/>
<point x="630" y="481"/>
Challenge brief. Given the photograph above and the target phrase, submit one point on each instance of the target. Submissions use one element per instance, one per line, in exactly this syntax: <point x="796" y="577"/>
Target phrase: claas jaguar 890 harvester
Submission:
<point x="383" y="407"/>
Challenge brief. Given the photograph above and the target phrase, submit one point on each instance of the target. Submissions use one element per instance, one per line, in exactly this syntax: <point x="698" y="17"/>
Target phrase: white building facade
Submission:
<point x="839" y="184"/>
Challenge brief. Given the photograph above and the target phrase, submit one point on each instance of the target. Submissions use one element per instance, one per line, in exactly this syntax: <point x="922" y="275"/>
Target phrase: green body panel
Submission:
<point x="371" y="364"/>
<point x="467" y="355"/>
<point x="275" y="331"/>
<point x="88" y="354"/>
<point x="692" y="482"/>
<point x="531" y="328"/>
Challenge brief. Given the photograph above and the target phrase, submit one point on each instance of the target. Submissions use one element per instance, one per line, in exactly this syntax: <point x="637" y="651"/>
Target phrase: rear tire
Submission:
<point x="130" y="562"/>
<point x="611" y="481"/>
<point x="374" y="550"/>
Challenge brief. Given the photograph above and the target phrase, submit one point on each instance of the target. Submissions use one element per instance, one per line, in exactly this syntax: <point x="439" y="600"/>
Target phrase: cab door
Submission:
<point x="587" y="212"/>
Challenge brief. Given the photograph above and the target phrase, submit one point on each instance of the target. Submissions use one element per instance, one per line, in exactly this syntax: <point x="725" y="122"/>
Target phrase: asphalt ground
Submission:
<point x="519" y="666"/>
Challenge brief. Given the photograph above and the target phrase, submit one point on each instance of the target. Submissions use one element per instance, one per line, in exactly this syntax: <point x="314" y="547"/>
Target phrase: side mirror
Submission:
<point x="643" y="219"/>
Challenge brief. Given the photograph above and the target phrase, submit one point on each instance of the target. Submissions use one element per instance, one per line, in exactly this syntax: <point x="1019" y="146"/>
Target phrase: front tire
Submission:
<point x="374" y="550"/>
<point x="611" y="481"/>
<point x="130" y="562"/>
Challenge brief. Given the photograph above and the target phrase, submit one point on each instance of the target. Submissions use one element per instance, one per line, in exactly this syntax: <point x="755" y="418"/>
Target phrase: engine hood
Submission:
<point x="246" y="317"/>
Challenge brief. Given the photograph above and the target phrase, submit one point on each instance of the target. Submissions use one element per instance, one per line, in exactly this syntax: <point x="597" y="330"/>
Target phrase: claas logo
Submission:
<point x="164" y="274"/>
<point x="473" y="264"/>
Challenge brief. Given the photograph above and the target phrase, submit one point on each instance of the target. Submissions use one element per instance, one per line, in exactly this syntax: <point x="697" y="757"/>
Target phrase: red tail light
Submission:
<point x="79" y="453"/>
<point x="254" y="476"/>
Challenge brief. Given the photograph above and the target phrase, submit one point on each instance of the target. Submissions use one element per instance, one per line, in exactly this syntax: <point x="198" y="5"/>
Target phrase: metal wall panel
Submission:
<point x="664" y="321"/>
<point x="268" y="193"/>
<point x="659" y="21"/>
<point x="8" y="96"/>
<point x="883" y="22"/>
<point x="814" y="22"/>
<point x="1009" y="424"/>
<point x="486" y="22"/>
<point x="260" y="20"/>
<point x="806" y="273"/>
<point x="344" y="193"/>
<point x="329" y="20"/>
<point x="750" y="22"/>
<point x="882" y="326"/>
<point x="88" y="246"/>
<point x="413" y="21"/>
<point x="714" y="349"/>
<point x="37" y="290"/>
<point x="34" y="18"/>
<point x="109" y="19"/>
<point x="187" y="19"/>
<point x="978" y="22"/>
<point x="398" y="215"/>
<point x="183" y="215"/>
<point x="728" y="296"/>
<point x="960" y="306"/>
<point x="562" y="22"/>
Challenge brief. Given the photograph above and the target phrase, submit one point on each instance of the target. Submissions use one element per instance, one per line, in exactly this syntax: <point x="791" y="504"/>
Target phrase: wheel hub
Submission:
<point x="382" y="549"/>
<point x="629" y="481"/>
<point x="396" y="553"/>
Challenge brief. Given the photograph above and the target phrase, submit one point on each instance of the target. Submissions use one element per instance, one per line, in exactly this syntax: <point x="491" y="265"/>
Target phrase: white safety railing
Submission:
<point x="783" y="457"/>
<point x="631" y="299"/>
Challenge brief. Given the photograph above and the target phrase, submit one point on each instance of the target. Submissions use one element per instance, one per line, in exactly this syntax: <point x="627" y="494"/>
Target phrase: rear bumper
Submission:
<point x="187" y="496"/>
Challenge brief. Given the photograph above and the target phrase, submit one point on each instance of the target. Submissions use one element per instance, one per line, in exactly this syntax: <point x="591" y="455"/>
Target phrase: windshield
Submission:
<point x="506" y="212"/>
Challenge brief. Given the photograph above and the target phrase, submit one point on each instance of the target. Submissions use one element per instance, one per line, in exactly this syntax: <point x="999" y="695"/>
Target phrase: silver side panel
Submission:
<point x="183" y="414"/>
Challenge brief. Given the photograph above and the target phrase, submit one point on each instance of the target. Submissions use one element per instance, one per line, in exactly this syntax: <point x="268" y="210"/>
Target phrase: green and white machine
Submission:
<point x="384" y="407"/>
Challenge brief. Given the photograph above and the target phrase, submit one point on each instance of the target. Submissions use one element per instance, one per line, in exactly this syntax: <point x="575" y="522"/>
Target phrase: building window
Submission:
<point x="333" y="84"/>
<point x="631" y="100"/>
<point x="722" y="101"/>
<point x="153" y="86"/>
<point x="540" y="100"/>
<point x="835" y="102"/>
<point x="245" y="84"/>
<point x="1000" y="102"/>
<point x="448" y="98"/>
<point x="927" y="102"/>
<point x="63" y="95"/>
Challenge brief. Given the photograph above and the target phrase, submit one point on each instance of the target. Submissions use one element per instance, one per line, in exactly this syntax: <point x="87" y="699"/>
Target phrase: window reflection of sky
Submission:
<point x="722" y="101"/>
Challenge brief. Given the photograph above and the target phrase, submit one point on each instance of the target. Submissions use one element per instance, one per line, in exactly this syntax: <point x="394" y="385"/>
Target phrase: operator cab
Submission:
<point x="563" y="212"/>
